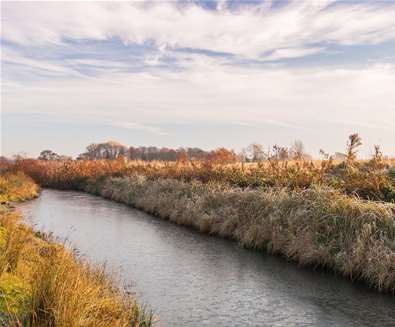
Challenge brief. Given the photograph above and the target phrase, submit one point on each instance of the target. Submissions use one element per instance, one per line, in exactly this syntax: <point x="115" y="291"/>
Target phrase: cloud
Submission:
<point x="97" y="63"/>
<point x="136" y="126"/>
<point x="148" y="66"/>
<point x="249" y="31"/>
<point x="210" y="93"/>
<point x="292" y="53"/>
<point x="13" y="57"/>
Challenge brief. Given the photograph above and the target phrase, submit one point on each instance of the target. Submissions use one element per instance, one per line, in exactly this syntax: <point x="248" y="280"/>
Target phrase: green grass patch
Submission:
<point x="15" y="294"/>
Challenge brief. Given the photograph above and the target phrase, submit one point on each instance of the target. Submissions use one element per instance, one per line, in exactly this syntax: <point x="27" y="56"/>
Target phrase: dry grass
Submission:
<point x="318" y="227"/>
<point x="319" y="213"/>
<point x="43" y="284"/>
<point x="16" y="187"/>
<point x="370" y="179"/>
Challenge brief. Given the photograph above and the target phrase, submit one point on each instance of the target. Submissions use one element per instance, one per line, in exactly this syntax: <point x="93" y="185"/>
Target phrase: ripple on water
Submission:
<point x="191" y="279"/>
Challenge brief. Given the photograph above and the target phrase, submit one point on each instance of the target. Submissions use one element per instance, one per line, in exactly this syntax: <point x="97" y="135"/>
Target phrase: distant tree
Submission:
<point x="134" y="153"/>
<point x="5" y="164"/>
<point x="242" y="156"/>
<point x="255" y="152"/>
<point x="181" y="155"/>
<point x="48" y="155"/>
<point x="107" y="150"/>
<point x="280" y="153"/>
<point x="4" y="159"/>
<point x="153" y="153"/>
<point x="222" y="155"/>
<point x="196" y="154"/>
<point x="112" y="150"/>
<point x="20" y="156"/>
<point x="82" y="156"/>
<point x="297" y="151"/>
<point x="167" y="154"/>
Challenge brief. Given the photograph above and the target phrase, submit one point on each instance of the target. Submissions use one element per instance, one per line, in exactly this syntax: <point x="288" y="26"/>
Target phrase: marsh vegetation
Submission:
<point x="334" y="214"/>
<point x="44" y="284"/>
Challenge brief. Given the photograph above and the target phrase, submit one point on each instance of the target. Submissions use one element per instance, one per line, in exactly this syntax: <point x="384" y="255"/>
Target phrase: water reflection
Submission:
<point x="191" y="279"/>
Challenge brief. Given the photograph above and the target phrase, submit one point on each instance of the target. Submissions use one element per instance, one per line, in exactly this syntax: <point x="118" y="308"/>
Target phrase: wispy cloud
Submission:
<point x="249" y="31"/>
<point x="136" y="126"/>
<point x="142" y="66"/>
<point x="13" y="57"/>
<point x="292" y="53"/>
<point x="207" y="92"/>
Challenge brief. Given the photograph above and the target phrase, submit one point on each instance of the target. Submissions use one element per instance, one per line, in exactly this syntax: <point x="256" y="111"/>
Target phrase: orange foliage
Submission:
<point x="368" y="179"/>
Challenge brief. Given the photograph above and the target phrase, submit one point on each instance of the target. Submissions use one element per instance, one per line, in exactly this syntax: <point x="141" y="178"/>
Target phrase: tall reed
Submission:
<point x="367" y="179"/>
<point x="318" y="226"/>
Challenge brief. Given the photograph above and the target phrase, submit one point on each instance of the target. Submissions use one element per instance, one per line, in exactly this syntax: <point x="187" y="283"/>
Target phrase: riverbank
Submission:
<point x="319" y="215"/>
<point x="193" y="279"/>
<point x="43" y="284"/>
<point x="316" y="227"/>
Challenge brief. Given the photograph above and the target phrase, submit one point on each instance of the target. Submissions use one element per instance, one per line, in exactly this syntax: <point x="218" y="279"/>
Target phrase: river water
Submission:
<point x="192" y="279"/>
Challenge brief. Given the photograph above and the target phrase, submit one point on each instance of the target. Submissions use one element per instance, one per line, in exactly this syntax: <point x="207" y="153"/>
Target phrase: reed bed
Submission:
<point x="337" y="215"/>
<point x="370" y="179"/>
<point x="316" y="227"/>
<point x="43" y="284"/>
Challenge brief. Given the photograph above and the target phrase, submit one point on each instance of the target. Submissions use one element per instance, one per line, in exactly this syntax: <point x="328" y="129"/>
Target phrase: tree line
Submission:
<point x="254" y="152"/>
<point x="112" y="150"/>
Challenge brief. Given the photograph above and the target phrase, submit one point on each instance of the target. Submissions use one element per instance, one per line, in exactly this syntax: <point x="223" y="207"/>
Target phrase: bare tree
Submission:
<point x="297" y="150"/>
<point x="107" y="150"/>
<point x="242" y="156"/>
<point x="255" y="152"/>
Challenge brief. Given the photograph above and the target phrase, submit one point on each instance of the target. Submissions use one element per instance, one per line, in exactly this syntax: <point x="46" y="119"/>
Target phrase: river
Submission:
<point x="192" y="279"/>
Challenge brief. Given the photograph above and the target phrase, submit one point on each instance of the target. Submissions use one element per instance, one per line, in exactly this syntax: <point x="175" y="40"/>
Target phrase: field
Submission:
<point x="370" y="179"/>
<point x="44" y="284"/>
<point x="337" y="215"/>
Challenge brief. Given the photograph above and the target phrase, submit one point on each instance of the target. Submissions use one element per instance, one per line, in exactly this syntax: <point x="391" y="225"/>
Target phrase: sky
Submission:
<point x="197" y="73"/>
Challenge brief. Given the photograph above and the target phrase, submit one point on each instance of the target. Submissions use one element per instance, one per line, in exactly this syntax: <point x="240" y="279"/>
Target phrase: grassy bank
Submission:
<point x="318" y="227"/>
<point x="370" y="179"/>
<point x="43" y="284"/>
<point x="320" y="214"/>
